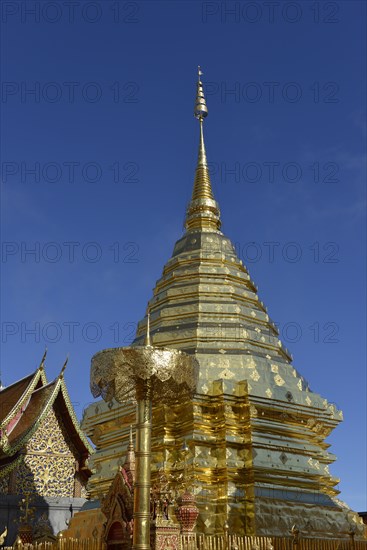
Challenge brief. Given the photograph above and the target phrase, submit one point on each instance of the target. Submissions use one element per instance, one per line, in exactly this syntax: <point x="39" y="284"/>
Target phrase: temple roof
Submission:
<point x="25" y="405"/>
<point x="15" y="395"/>
<point x="32" y="415"/>
<point x="10" y="395"/>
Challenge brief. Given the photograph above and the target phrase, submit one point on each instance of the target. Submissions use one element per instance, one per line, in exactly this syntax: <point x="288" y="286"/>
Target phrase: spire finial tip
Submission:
<point x="203" y="211"/>
<point x="200" y="110"/>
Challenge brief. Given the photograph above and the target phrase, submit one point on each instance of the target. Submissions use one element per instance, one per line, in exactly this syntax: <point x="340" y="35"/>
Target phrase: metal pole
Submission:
<point x="141" y="532"/>
<point x="352" y="535"/>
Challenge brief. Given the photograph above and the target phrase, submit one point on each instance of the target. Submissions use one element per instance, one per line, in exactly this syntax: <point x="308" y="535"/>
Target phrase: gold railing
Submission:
<point x="215" y="542"/>
<point x="62" y="544"/>
<point x="233" y="542"/>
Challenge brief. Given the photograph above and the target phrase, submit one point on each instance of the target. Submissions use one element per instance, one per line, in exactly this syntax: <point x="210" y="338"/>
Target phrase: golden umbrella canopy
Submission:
<point x="119" y="372"/>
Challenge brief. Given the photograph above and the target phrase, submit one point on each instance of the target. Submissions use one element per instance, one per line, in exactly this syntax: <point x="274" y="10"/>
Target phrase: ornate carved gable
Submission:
<point x="42" y="447"/>
<point x="51" y="437"/>
<point x="50" y="461"/>
<point x="122" y="493"/>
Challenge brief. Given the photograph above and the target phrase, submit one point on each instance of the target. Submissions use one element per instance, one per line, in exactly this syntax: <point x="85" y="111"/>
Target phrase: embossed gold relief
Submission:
<point x="224" y="455"/>
<point x="255" y="375"/>
<point x="253" y="411"/>
<point x="49" y="461"/>
<point x="116" y="373"/>
<point x="50" y="437"/>
<point x="47" y="476"/>
<point x="279" y="380"/>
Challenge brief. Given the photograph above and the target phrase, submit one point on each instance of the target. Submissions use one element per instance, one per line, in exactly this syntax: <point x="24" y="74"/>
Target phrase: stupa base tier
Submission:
<point x="312" y="520"/>
<point x="259" y="464"/>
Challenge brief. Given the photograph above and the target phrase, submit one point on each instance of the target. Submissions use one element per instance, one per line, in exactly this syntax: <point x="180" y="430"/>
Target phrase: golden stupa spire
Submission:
<point x="203" y="211"/>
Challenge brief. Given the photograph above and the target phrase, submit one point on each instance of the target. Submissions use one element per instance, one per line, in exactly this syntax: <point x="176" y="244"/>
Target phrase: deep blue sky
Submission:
<point x="297" y="77"/>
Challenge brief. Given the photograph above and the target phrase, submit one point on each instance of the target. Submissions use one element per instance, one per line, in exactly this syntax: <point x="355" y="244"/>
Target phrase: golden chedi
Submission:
<point x="255" y="431"/>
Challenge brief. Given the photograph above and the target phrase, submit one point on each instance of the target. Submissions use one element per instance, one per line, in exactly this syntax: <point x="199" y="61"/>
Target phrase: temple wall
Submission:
<point x="59" y="511"/>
